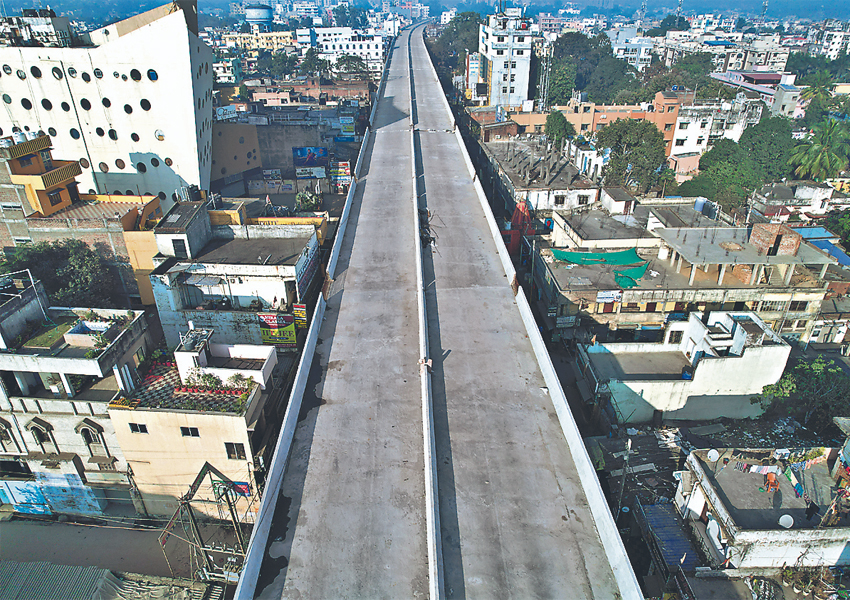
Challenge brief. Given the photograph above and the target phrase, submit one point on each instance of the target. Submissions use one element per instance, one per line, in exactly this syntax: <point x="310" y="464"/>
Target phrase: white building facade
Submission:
<point x="334" y="42"/>
<point x="134" y="108"/>
<point x="505" y="43"/>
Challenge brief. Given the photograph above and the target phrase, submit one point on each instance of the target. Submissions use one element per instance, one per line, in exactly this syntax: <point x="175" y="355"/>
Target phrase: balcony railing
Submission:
<point x="51" y="178"/>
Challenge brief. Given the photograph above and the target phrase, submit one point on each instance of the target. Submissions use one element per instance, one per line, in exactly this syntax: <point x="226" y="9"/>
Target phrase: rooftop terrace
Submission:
<point x="258" y="251"/>
<point x="743" y="493"/>
<point x="627" y="366"/>
<point x="565" y="176"/>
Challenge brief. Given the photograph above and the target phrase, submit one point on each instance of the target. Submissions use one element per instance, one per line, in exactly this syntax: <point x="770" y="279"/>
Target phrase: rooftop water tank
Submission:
<point x="259" y="13"/>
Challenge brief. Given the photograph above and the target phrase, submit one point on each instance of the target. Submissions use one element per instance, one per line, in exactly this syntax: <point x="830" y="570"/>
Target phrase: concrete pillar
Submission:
<point x="21" y="378"/>
<point x="69" y="387"/>
<point x="722" y="273"/>
<point x="693" y="272"/>
<point x="755" y="276"/>
<point x="823" y="271"/>
<point x="673" y="256"/>
<point x="789" y="273"/>
<point x="679" y="264"/>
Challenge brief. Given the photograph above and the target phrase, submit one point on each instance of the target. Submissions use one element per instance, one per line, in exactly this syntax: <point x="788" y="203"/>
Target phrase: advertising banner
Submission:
<point x="310" y="173"/>
<point x="299" y="311"/>
<point x="310" y="156"/>
<point x="340" y="172"/>
<point x="306" y="266"/>
<point x="277" y="330"/>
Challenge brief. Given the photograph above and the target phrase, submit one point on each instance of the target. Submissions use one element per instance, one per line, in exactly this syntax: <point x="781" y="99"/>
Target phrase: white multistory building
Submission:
<point x="627" y="45"/>
<point x="447" y="16"/>
<point x="505" y="45"/>
<point x="334" y="42"/>
<point x="133" y="105"/>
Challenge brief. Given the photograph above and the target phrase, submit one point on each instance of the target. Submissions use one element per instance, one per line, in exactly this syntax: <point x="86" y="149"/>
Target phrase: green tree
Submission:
<point x="562" y="82"/>
<point x="244" y="94"/>
<point x="819" y="86"/>
<point x="669" y="24"/>
<point x="697" y="65"/>
<point x="769" y="144"/>
<point x="741" y="24"/>
<point x="351" y="64"/>
<point x="458" y="38"/>
<point x="558" y="129"/>
<point x="812" y="391"/>
<point x="824" y="153"/>
<point x="312" y="64"/>
<point x="350" y="16"/>
<point x="636" y="153"/>
<point x="73" y="273"/>
<point x="609" y="77"/>
<point x="278" y="65"/>
<point x="701" y="185"/>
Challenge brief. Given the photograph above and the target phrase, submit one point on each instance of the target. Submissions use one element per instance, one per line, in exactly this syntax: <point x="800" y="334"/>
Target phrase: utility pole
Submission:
<point x="625" y="474"/>
<point x="678" y="14"/>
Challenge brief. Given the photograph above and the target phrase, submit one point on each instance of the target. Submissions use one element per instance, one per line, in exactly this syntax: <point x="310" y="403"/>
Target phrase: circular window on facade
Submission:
<point x="21" y="74"/>
<point x="65" y="106"/>
<point x="72" y="72"/>
<point x="161" y="195"/>
<point x="120" y="163"/>
<point x="141" y="168"/>
<point x="57" y="73"/>
<point x="85" y="104"/>
<point x="75" y="134"/>
<point x="47" y="104"/>
<point x="128" y="109"/>
<point x="223" y="170"/>
<point x="134" y="137"/>
<point x="84" y="163"/>
<point x="123" y="78"/>
<point x="85" y="77"/>
<point x="103" y="167"/>
<point x="7" y="69"/>
<point x="249" y="155"/>
<point x="116" y="74"/>
<point x="26" y="103"/>
<point x="159" y="134"/>
<point x="106" y="102"/>
<point x="154" y="162"/>
<point x="241" y="140"/>
<point x="135" y="75"/>
<point x="169" y="162"/>
<point x="174" y="197"/>
<point x="98" y="73"/>
<point x="99" y="131"/>
<point x="7" y="98"/>
<point x="145" y="104"/>
<point x="51" y="131"/>
<point x="113" y="135"/>
<point x="36" y="72"/>
<point x="152" y="75"/>
<point x="117" y="193"/>
<point x="219" y="133"/>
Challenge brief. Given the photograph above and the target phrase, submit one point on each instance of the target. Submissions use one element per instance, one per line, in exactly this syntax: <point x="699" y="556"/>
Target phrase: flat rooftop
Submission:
<point x="566" y="175"/>
<point x="730" y="245"/>
<point x="179" y="217"/>
<point x="110" y="211"/>
<point x="599" y="225"/>
<point x="752" y="508"/>
<point x="682" y="215"/>
<point x="257" y="251"/>
<point x="629" y="366"/>
<point x="660" y="275"/>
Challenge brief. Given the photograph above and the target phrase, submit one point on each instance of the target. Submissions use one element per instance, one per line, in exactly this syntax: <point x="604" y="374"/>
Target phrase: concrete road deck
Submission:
<point x="515" y="518"/>
<point x="350" y="522"/>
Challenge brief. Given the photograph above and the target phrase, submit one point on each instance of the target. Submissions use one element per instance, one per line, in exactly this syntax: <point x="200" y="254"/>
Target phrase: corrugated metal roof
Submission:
<point x="672" y="541"/>
<point x="45" y="581"/>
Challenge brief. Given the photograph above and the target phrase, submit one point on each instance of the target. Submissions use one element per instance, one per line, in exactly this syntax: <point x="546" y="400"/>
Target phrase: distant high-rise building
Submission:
<point x="505" y="43"/>
<point x="132" y="102"/>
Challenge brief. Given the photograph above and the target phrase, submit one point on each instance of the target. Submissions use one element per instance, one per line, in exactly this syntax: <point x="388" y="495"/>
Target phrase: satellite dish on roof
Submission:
<point x="786" y="521"/>
<point x="713" y="455"/>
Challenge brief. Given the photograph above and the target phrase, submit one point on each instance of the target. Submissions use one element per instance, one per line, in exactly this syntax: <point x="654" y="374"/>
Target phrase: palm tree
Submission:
<point x="819" y="86"/>
<point x="824" y="154"/>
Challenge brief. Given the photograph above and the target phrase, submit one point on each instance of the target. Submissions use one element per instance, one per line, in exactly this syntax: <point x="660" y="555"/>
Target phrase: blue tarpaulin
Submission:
<point x="833" y="250"/>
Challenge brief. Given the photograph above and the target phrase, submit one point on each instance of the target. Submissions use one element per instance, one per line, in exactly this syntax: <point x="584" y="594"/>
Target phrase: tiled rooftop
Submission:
<point x="160" y="390"/>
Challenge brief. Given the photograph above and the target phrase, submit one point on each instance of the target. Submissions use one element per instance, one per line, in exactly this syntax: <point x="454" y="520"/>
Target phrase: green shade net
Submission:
<point x="621" y="258"/>
<point x="628" y="278"/>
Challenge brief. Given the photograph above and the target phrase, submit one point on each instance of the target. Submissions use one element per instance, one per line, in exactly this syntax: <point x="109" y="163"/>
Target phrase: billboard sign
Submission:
<point x="310" y="173"/>
<point x="299" y="311"/>
<point x="346" y="125"/>
<point x="606" y="297"/>
<point x="271" y="174"/>
<point x="340" y="172"/>
<point x="306" y="266"/>
<point x="310" y="156"/>
<point x="277" y="330"/>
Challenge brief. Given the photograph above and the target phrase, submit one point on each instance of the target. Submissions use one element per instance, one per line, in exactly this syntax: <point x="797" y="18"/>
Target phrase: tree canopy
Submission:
<point x="278" y="65"/>
<point x="670" y="23"/>
<point x="350" y="16"/>
<point x="637" y="153"/>
<point x="458" y="38"/>
<point x="311" y="63"/>
<point x="349" y="63"/>
<point x="811" y="391"/>
<point x="823" y="154"/>
<point x="73" y="273"/>
<point x="558" y="128"/>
